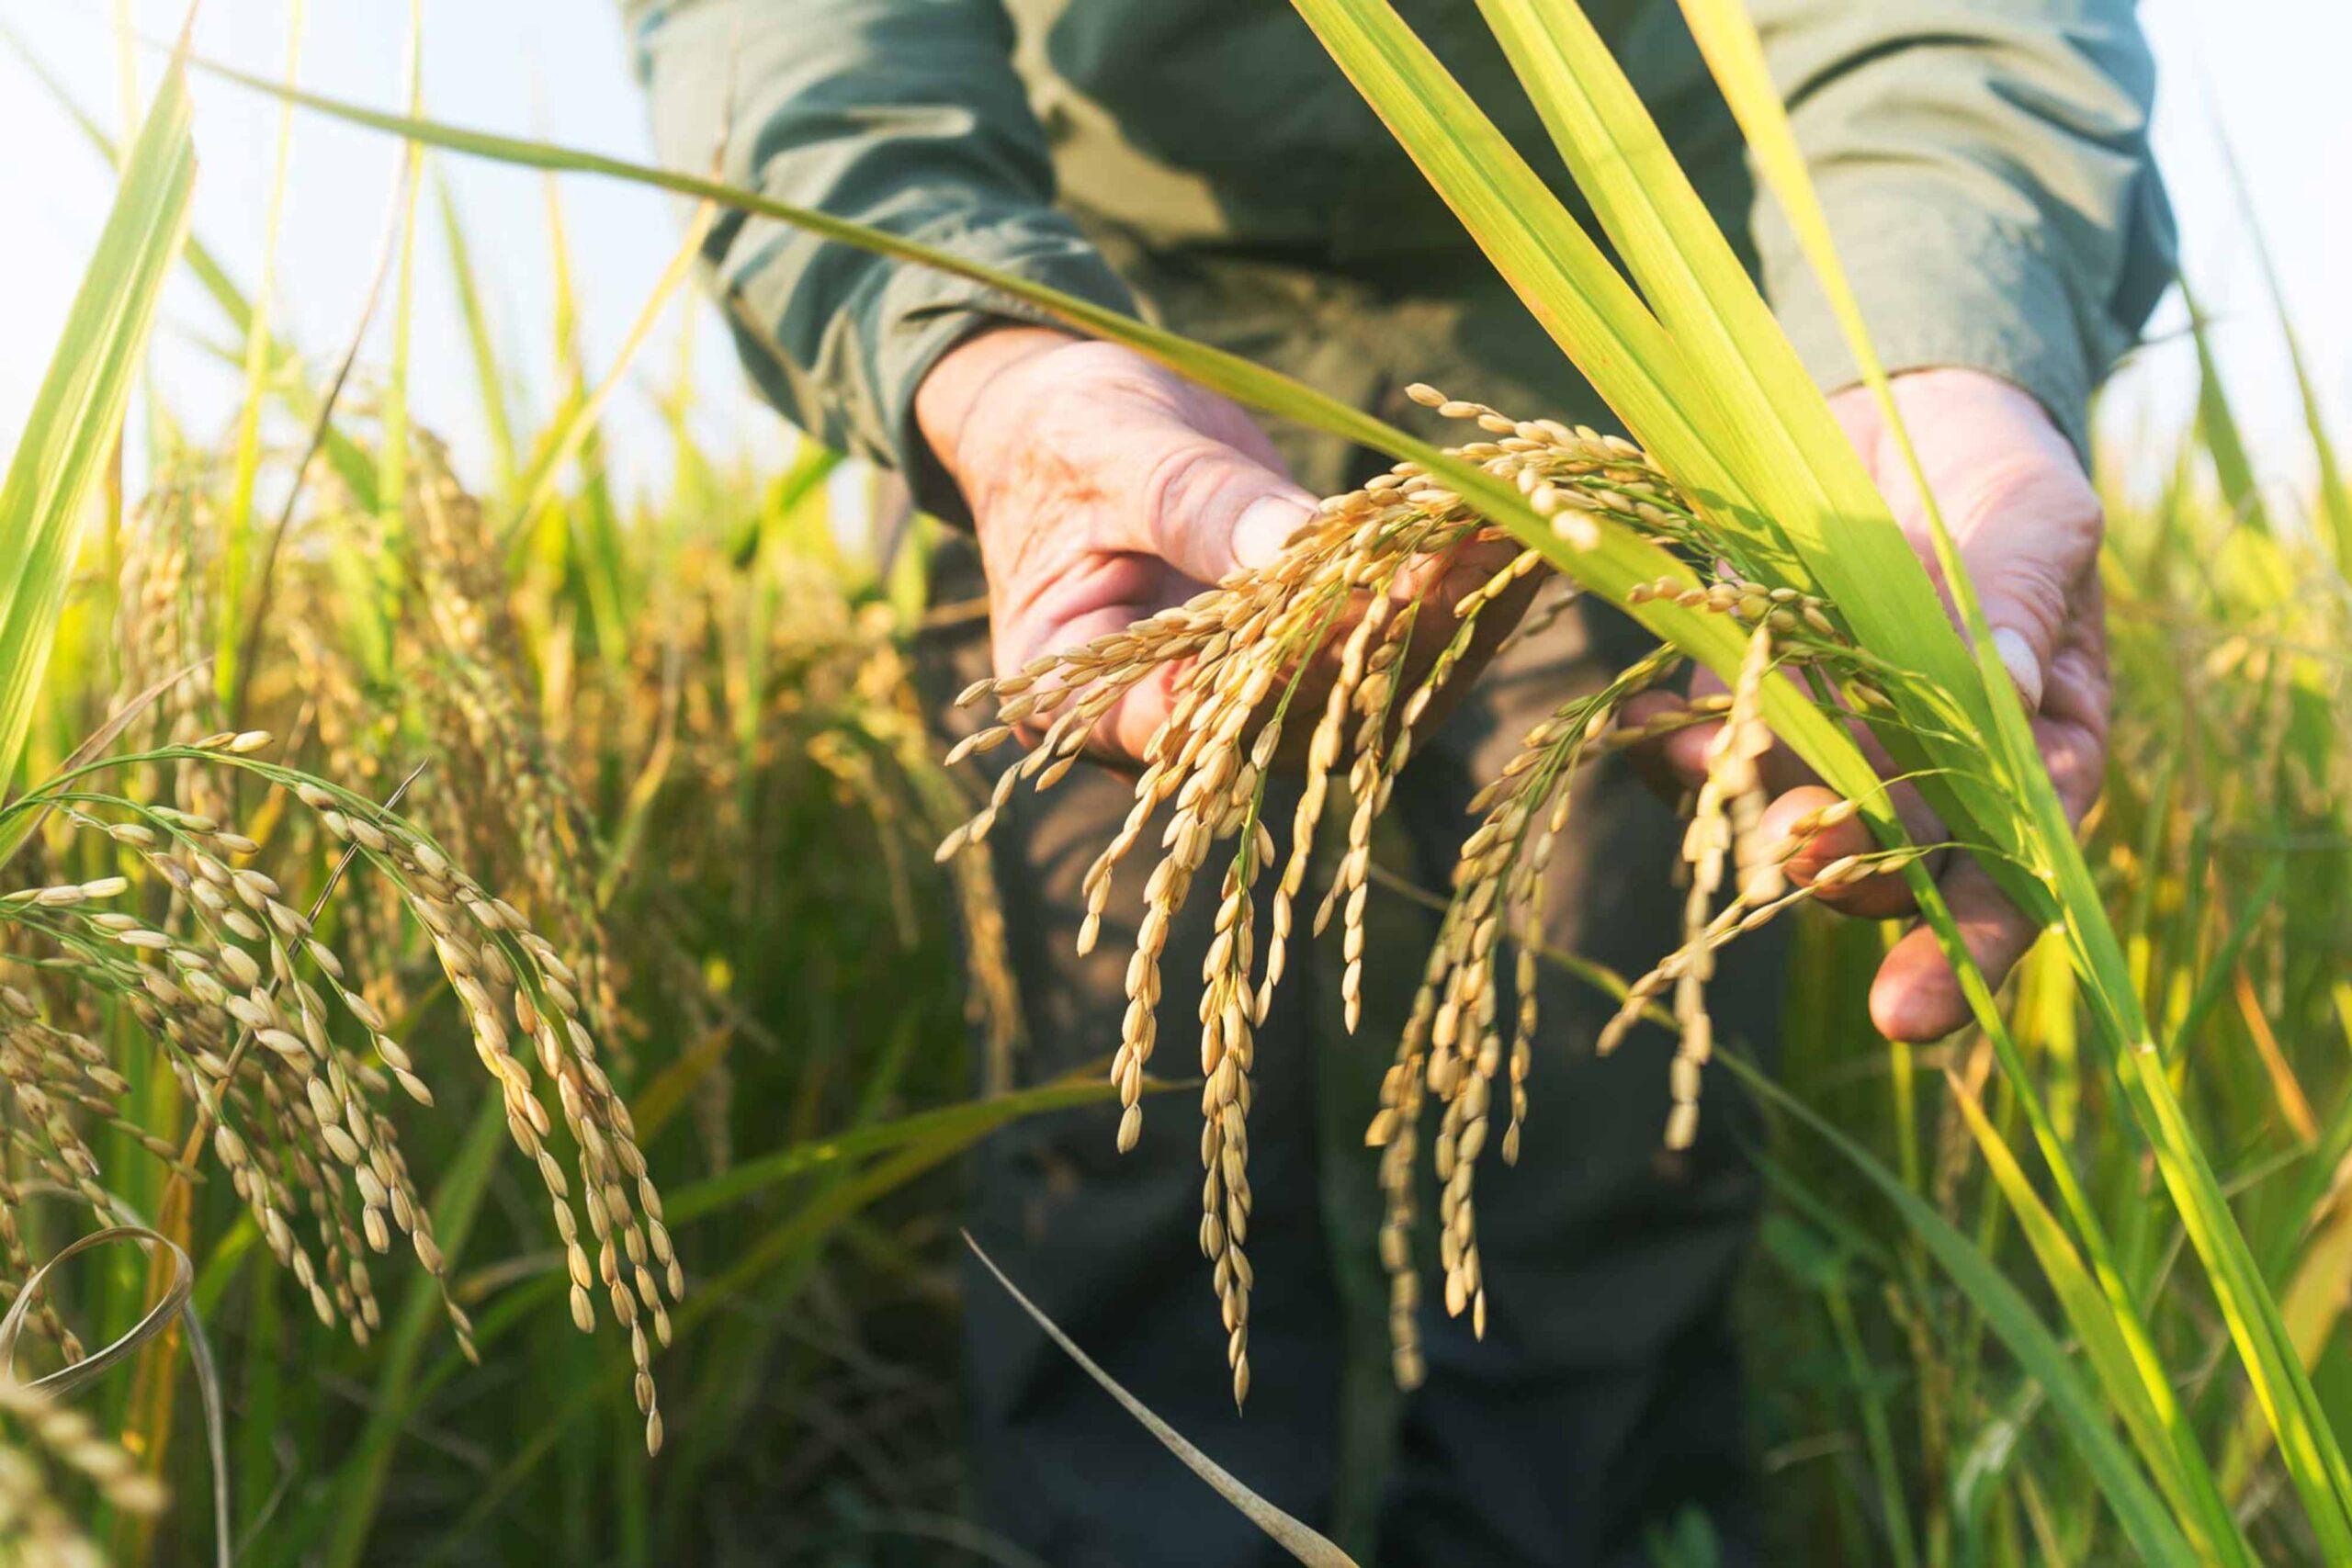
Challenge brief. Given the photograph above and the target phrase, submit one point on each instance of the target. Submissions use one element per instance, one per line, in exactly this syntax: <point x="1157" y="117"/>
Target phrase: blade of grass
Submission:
<point x="2313" y="1305"/>
<point x="1772" y="465"/>
<point x="1533" y="241"/>
<point x="353" y="466"/>
<point x="2150" y="1412"/>
<point x="2154" y="1536"/>
<point x="2286" y="1089"/>
<point x="2223" y="962"/>
<point x="2327" y="1173"/>
<point x="1281" y="1529"/>
<point x="578" y="426"/>
<point x="490" y="379"/>
<point x="245" y="462"/>
<point x="1756" y="400"/>
<point x="581" y="539"/>
<point x="2334" y="495"/>
<point x="1877" y="1437"/>
<point x="364" y="616"/>
<point x="79" y="411"/>
<point x="2307" y="1441"/>
<point x="967" y="1122"/>
<point x="2217" y="424"/>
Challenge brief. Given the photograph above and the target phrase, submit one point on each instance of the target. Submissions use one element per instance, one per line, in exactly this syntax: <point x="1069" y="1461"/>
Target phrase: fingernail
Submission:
<point x="2024" y="669"/>
<point x="1264" y="526"/>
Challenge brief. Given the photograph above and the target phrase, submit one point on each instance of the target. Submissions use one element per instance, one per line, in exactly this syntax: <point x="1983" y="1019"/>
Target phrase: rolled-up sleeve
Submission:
<point x="905" y="115"/>
<point x="1986" y="171"/>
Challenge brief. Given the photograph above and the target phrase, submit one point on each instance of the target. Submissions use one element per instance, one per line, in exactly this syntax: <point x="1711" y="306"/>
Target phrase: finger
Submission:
<point x="1916" y="997"/>
<point x="1812" y="847"/>
<point x="1206" y="507"/>
<point x="2023" y="513"/>
<point x="1120" y="735"/>
<point x="2030" y="538"/>
<point x="1503" y="612"/>
<point x="1796" y="814"/>
<point x="1124" y="734"/>
<point x="1675" y="761"/>
<point x="1793" y="821"/>
<point x="1859" y="416"/>
<point x="1463" y="567"/>
<point x="1436" y="626"/>
<point x="2072" y="728"/>
<point x="1678" y="757"/>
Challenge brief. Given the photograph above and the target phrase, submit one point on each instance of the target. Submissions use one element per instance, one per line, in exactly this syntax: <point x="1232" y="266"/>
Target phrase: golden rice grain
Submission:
<point x="1346" y="592"/>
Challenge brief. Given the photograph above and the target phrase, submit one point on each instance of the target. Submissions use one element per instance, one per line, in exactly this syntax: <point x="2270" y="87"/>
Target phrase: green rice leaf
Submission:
<point x="2218" y="427"/>
<point x="1743" y="428"/>
<point x="2127" y="1370"/>
<point x="354" y="467"/>
<point x="489" y="378"/>
<point x="1281" y="1529"/>
<point x="2307" y="1440"/>
<point x="1757" y="405"/>
<point x="2154" y="1536"/>
<point x="79" y="411"/>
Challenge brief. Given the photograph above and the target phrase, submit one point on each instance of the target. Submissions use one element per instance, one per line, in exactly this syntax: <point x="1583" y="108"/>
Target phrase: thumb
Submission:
<point x="2022" y="511"/>
<point x="2030" y="544"/>
<point x="1209" y="508"/>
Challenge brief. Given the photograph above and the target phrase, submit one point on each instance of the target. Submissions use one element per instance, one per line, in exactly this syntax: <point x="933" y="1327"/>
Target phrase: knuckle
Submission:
<point x="1172" y="480"/>
<point x="2040" y="489"/>
<point x="2029" y="531"/>
<point x="2026" y="593"/>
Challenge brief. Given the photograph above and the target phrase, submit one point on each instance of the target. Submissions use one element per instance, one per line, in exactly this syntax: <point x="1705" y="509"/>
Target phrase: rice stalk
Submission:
<point x="1347" y="596"/>
<point x="266" y="1028"/>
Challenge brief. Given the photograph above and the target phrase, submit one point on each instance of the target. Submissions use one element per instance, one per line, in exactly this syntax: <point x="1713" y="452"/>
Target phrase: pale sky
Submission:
<point x="2271" y="71"/>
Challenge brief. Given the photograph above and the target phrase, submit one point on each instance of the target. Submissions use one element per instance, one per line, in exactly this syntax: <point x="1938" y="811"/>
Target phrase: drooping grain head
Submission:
<point x="1347" y="598"/>
<point x="46" y="1447"/>
<point x="269" y="1032"/>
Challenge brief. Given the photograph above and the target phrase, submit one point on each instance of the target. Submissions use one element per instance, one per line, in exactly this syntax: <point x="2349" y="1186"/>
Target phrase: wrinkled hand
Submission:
<point x="2028" y="524"/>
<point x="1104" y="489"/>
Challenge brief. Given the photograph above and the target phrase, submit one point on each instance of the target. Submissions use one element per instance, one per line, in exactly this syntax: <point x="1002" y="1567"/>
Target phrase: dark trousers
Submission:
<point x="1605" y="1398"/>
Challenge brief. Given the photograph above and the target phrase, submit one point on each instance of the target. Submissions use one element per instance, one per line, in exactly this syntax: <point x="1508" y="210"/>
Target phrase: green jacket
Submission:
<point x="1984" y="163"/>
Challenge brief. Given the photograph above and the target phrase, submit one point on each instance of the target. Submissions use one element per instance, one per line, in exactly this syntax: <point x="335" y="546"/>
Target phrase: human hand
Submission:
<point x="2027" y="525"/>
<point x="1105" y="487"/>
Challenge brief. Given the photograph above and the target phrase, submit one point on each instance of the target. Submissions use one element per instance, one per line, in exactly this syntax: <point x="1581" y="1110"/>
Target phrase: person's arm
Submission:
<point x="1985" y="168"/>
<point x="1102" y="487"/>
<point x="906" y="115"/>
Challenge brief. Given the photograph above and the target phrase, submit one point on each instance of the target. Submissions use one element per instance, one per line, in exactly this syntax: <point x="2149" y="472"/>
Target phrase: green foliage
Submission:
<point x="77" y="415"/>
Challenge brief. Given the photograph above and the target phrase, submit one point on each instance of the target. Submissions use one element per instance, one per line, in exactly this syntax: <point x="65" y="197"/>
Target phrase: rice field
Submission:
<point x="499" y="973"/>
